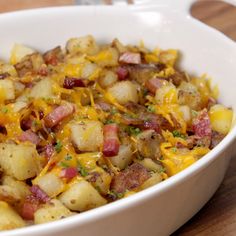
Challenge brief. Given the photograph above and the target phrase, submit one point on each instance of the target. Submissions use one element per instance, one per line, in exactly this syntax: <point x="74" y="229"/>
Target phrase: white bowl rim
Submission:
<point x="138" y="198"/>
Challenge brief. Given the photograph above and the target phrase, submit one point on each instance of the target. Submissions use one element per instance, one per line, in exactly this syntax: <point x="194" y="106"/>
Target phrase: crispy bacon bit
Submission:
<point x="131" y="121"/>
<point x="49" y="150"/>
<point x="53" y="56"/>
<point x="111" y="141"/>
<point x="202" y="125"/>
<point x="69" y="172"/>
<point x="58" y="114"/>
<point x="130" y="178"/>
<point x="29" y="207"/>
<point x="216" y="139"/>
<point x="26" y="124"/>
<point x="153" y="84"/>
<point x="39" y="194"/>
<point x="152" y="124"/>
<point x="4" y="75"/>
<point x="43" y="70"/>
<point x="103" y="105"/>
<point x="130" y="58"/>
<point x="30" y="136"/>
<point x="122" y="73"/>
<point x="70" y="83"/>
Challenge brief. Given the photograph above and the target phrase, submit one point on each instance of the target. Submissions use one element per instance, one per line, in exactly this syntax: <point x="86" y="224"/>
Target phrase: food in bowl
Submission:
<point x="89" y="124"/>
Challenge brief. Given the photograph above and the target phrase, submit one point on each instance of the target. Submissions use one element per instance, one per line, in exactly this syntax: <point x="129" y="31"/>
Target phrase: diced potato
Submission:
<point x="7" y="68"/>
<point x="50" y="184"/>
<point x="108" y="79"/>
<point x="19" y="161"/>
<point x="17" y="106"/>
<point x="9" y="195"/>
<point x="87" y="135"/>
<point x="7" y="90"/>
<point x="154" y="179"/>
<point x="221" y="118"/>
<point x="124" y="157"/>
<point x="18" y="52"/>
<point x="119" y="46"/>
<point x="9" y="219"/>
<point x="189" y="95"/>
<point x="150" y="165"/>
<point x="185" y="110"/>
<point x="54" y="210"/>
<point x="169" y="56"/>
<point x="82" y="196"/>
<point x="124" y="91"/>
<point x="19" y="187"/>
<point x="106" y="57"/>
<point x="85" y="44"/>
<point x="166" y="94"/>
<point x="90" y="71"/>
<point x="43" y="89"/>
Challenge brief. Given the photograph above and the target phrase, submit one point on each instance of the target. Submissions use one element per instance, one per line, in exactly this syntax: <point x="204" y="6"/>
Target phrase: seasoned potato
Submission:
<point x="50" y="183"/>
<point x="82" y="196"/>
<point x="9" y="219"/>
<point x="85" y="44"/>
<point x="189" y="95"/>
<point x="7" y="69"/>
<point x="150" y="165"/>
<point x="154" y="179"/>
<point x="148" y="144"/>
<point x="7" y="90"/>
<point x="87" y="135"/>
<point x="8" y="194"/>
<point x="124" y="91"/>
<point x="20" y="187"/>
<point x="166" y="94"/>
<point x="185" y="110"/>
<point x="54" y="210"/>
<point x="124" y="157"/>
<point x="221" y="118"/>
<point x="43" y="89"/>
<point x="19" y="161"/>
<point x="19" y="52"/>
<point x="108" y="79"/>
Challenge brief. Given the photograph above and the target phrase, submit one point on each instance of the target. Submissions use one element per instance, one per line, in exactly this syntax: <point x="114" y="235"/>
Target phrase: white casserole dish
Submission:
<point x="161" y="209"/>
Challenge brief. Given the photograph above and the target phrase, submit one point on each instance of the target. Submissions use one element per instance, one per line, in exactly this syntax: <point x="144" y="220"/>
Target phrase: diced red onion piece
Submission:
<point x="153" y="84"/>
<point x="39" y="194"/>
<point x="122" y="73"/>
<point x="70" y="83"/>
<point x="30" y="136"/>
<point x="69" y="172"/>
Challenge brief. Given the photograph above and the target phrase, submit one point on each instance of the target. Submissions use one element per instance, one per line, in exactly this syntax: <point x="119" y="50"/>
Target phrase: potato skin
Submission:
<point x="54" y="210"/>
<point x="19" y="161"/>
<point x="82" y="196"/>
<point x="87" y="135"/>
<point x="9" y="219"/>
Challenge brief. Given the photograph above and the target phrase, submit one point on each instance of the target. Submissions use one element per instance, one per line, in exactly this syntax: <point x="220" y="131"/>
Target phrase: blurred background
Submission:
<point x="218" y="217"/>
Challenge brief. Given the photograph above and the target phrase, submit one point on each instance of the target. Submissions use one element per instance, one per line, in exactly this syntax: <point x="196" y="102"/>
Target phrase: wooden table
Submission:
<point x="218" y="217"/>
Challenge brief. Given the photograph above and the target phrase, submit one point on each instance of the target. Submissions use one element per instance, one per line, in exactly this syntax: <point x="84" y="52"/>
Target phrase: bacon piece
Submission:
<point x="111" y="141"/>
<point x="29" y="207"/>
<point x="43" y="70"/>
<point x="201" y="124"/>
<point x="130" y="178"/>
<point x="70" y="83"/>
<point x="39" y="194"/>
<point x="131" y="121"/>
<point x="103" y="105"/>
<point x="58" y="114"/>
<point x="152" y="124"/>
<point x="216" y="139"/>
<point x="53" y="56"/>
<point x="122" y="73"/>
<point x="49" y="150"/>
<point x="30" y="136"/>
<point x="153" y="84"/>
<point x="69" y="172"/>
<point x="130" y="58"/>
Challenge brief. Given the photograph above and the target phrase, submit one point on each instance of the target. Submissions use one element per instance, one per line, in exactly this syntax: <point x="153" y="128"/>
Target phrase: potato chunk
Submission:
<point x="43" y="89"/>
<point x="54" y="210"/>
<point x="19" y="161"/>
<point x="124" y="157"/>
<point x="50" y="184"/>
<point x="7" y="90"/>
<point x="124" y="91"/>
<point x="9" y="219"/>
<point x="82" y="196"/>
<point x="87" y="135"/>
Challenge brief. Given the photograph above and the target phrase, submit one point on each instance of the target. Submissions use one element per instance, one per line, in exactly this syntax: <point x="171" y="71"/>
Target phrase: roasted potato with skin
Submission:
<point x="87" y="135"/>
<point x="82" y="196"/>
<point x="20" y="161"/>
<point x="7" y="89"/>
<point x="54" y="210"/>
<point x="9" y="219"/>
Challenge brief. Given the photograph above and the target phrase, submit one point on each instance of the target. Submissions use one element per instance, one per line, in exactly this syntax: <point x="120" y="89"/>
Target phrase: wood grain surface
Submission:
<point x="218" y="216"/>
